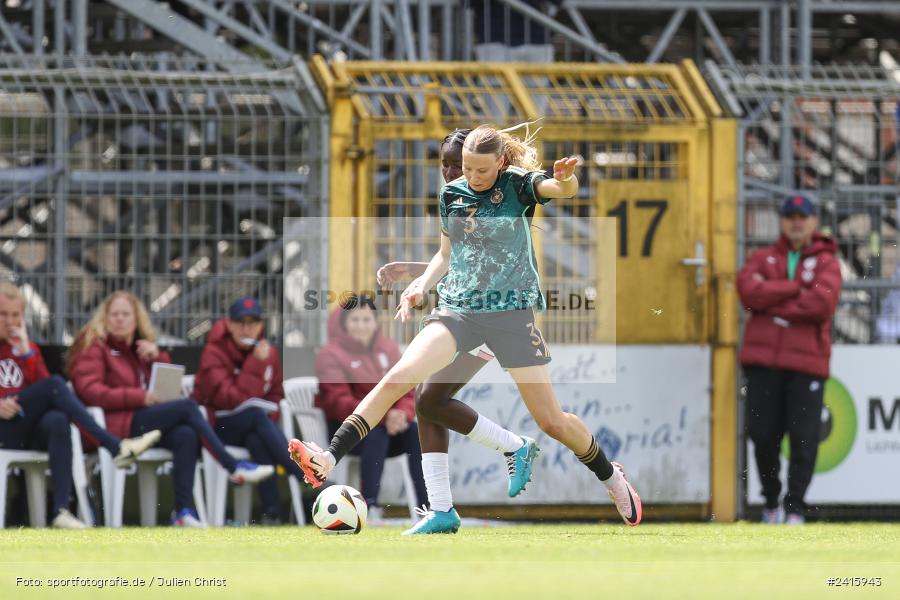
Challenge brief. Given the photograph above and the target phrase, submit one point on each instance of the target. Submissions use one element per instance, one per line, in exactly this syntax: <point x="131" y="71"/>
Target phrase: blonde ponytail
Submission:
<point x="522" y="153"/>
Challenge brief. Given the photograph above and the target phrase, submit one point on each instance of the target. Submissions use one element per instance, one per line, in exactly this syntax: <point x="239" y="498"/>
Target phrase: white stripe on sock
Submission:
<point x="436" y="469"/>
<point x="489" y="434"/>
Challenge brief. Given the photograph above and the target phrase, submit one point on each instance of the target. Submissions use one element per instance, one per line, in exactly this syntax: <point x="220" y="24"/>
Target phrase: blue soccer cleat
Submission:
<point x="519" y="465"/>
<point x="435" y="522"/>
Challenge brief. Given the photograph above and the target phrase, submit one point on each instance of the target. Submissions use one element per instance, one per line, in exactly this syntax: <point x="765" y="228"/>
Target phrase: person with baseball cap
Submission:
<point x="790" y="291"/>
<point x="238" y="364"/>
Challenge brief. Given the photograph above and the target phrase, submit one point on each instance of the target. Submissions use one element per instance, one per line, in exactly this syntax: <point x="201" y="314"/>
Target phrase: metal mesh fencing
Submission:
<point x="403" y="111"/>
<point x="163" y="176"/>
<point x="834" y="136"/>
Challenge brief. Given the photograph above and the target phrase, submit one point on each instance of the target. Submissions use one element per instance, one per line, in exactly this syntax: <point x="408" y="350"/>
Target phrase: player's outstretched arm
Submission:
<point x="564" y="184"/>
<point x="393" y="272"/>
<point x="415" y="293"/>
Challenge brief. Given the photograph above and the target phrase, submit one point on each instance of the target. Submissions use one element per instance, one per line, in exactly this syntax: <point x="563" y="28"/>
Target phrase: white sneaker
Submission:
<point x="795" y="519"/>
<point x="772" y="516"/>
<point x="248" y="472"/>
<point x="624" y="497"/>
<point x="66" y="520"/>
<point x="375" y="516"/>
<point x="131" y="448"/>
<point x="187" y="518"/>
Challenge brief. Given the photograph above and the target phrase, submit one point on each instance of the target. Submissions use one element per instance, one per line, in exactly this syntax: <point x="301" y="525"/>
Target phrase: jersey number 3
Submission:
<point x="470" y="220"/>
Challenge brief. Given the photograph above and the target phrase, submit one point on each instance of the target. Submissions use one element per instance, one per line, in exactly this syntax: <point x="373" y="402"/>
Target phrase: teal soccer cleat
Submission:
<point x="435" y="522"/>
<point x="519" y="465"/>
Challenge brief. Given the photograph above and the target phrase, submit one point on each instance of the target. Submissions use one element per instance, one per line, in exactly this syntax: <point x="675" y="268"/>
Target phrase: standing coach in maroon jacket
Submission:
<point x="791" y="291"/>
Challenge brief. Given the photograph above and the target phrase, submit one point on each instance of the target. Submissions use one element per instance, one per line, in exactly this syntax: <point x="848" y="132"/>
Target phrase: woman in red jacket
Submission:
<point x="109" y="365"/>
<point x="37" y="408"/>
<point x="237" y="365"/>
<point x="355" y="358"/>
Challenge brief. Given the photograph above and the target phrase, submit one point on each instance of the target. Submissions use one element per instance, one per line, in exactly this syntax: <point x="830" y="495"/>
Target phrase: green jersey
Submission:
<point x="492" y="262"/>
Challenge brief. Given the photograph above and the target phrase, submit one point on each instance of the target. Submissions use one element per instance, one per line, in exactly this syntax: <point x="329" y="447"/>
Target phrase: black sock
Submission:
<point x="349" y="434"/>
<point x="595" y="460"/>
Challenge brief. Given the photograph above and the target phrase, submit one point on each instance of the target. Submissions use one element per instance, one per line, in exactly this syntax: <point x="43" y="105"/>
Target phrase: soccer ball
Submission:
<point x="340" y="509"/>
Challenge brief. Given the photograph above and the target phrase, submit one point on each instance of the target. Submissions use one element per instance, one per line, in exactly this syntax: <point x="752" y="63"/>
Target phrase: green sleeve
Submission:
<point x="526" y="188"/>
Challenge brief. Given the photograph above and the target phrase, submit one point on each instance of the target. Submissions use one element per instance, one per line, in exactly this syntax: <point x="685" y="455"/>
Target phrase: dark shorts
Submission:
<point x="511" y="335"/>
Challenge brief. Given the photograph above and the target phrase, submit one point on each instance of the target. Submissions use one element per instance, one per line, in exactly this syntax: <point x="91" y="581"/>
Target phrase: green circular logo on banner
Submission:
<point x="837" y="431"/>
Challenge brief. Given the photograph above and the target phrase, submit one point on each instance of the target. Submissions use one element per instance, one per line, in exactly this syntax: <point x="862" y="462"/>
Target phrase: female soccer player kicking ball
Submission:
<point x="488" y="296"/>
<point x="437" y="410"/>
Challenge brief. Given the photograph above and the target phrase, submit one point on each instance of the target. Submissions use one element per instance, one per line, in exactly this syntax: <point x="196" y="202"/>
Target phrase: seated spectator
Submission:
<point x="238" y="365"/>
<point x="110" y="364"/>
<point x="36" y="409"/>
<point x="353" y="361"/>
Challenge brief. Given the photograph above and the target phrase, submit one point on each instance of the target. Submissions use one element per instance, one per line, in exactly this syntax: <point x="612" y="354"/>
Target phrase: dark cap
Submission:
<point x="245" y="307"/>
<point x="797" y="205"/>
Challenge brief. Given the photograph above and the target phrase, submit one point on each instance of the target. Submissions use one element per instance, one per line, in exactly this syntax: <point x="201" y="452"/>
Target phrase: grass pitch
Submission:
<point x="552" y="561"/>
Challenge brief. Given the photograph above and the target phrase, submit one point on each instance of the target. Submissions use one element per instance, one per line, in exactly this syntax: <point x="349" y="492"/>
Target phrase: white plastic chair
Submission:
<point x="112" y="482"/>
<point x="216" y="476"/>
<point x="217" y="488"/>
<point x="36" y="466"/>
<point x="298" y="407"/>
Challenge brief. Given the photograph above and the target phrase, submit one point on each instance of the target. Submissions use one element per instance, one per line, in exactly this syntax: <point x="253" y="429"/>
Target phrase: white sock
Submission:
<point x="489" y="434"/>
<point x="436" y="469"/>
<point x="613" y="480"/>
<point x="330" y="458"/>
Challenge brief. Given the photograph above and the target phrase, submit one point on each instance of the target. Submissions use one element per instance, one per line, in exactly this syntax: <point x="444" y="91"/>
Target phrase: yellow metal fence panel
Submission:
<point x="645" y="138"/>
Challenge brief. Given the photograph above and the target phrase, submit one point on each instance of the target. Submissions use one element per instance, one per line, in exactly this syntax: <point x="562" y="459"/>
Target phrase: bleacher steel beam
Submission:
<point x="588" y="44"/>
<point x="784" y="22"/>
<point x="223" y="20"/>
<point x="857" y="7"/>
<point x="170" y="178"/>
<point x="38" y="20"/>
<point x="405" y="29"/>
<point x="79" y="27"/>
<point x="424" y="15"/>
<point x="9" y="35"/>
<point x="804" y="35"/>
<point x="765" y="37"/>
<point x="666" y="37"/>
<point x="656" y="5"/>
<point x="375" y="43"/>
<point x="721" y="88"/>
<point x="447" y="32"/>
<point x="353" y="21"/>
<point x="60" y="203"/>
<point x="717" y="39"/>
<point x="580" y="24"/>
<point x="185" y="32"/>
<point x="203" y="43"/>
<point x="59" y="27"/>
<point x="320" y="27"/>
<point x="255" y="17"/>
